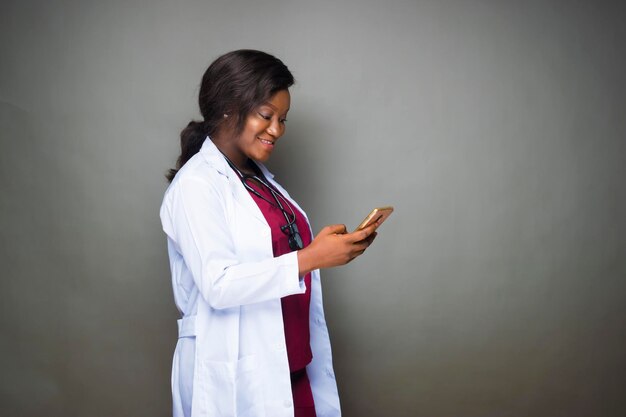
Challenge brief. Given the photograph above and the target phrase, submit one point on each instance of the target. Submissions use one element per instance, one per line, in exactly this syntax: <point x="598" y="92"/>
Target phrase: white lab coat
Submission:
<point x="231" y="358"/>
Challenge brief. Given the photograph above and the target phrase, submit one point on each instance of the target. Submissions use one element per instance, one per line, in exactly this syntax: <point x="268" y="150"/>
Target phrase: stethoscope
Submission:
<point x="291" y="228"/>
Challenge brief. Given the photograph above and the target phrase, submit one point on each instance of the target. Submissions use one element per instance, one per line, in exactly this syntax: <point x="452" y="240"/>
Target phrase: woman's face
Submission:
<point x="262" y="129"/>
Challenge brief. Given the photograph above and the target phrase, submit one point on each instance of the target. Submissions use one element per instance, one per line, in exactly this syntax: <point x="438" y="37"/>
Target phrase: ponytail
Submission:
<point x="191" y="139"/>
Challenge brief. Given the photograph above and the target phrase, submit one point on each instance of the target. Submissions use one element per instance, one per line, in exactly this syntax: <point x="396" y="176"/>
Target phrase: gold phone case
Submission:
<point x="380" y="213"/>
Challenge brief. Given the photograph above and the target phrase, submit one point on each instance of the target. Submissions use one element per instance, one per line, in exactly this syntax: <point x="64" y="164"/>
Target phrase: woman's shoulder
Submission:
<point x="198" y="172"/>
<point x="198" y="184"/>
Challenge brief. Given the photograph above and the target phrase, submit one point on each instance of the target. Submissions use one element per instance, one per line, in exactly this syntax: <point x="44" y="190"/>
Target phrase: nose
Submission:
<point x="275" y="128"/>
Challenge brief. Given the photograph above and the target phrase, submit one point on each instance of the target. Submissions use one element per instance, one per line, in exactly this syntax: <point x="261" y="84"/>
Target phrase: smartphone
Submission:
<point x="379" y="214"/>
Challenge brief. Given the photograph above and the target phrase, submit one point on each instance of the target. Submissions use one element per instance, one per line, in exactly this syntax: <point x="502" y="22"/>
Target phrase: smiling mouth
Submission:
<point x="267" y="142"/>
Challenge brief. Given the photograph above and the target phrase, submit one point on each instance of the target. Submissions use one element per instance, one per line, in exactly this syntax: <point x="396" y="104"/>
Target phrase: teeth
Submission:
<point x="266" y="141"/>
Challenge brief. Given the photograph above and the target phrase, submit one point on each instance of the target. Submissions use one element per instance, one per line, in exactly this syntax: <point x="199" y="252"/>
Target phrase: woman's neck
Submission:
<point x="244" y="164"/>
<point x="241" y="163"/>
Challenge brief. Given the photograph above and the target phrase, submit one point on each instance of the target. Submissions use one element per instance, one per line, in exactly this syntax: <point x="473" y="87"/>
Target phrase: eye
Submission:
<point x="265" y="116"/>
<point x="283" y="121"/>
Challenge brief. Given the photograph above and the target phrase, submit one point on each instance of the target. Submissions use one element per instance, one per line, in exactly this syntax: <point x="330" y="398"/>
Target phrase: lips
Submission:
<point x="267" y="141"/>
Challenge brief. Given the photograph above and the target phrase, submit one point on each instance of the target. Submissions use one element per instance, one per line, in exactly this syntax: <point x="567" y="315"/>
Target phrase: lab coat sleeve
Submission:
<point x="195" y="218"/>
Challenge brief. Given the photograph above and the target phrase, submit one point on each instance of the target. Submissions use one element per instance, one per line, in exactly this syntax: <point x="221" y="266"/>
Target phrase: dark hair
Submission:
<point x="235" y="84"/>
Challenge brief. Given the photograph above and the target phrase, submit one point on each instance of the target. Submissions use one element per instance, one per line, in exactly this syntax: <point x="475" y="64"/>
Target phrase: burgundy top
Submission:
<point x="295" y="307"/>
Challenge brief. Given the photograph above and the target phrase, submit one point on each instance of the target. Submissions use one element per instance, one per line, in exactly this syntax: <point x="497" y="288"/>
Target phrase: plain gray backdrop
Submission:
<point x="496" y="128"/>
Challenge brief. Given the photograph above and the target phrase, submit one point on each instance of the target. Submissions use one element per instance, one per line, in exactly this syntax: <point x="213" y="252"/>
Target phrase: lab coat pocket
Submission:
<point x="216" y="386"/>
<point x="249" y="393"/>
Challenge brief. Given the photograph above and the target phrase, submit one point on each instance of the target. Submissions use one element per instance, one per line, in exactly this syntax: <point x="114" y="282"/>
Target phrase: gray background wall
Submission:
<point x="496" y="128"/>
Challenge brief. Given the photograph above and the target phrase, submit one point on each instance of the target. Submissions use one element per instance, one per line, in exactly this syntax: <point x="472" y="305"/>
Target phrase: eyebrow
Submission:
<point x="268" y="104"/>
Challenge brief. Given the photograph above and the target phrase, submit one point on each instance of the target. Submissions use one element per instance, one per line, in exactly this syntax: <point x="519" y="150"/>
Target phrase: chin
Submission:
<point x="261" y="158"/>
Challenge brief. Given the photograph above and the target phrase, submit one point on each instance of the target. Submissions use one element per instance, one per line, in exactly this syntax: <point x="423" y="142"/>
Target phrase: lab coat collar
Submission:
<point x="214" y="157"/>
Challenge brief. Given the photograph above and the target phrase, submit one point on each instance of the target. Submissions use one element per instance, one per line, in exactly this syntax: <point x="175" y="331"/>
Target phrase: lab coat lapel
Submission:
<point x="241" y="195"/>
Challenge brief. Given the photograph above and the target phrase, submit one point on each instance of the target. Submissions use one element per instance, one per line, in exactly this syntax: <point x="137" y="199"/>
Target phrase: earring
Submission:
<point x="225" y="116"/>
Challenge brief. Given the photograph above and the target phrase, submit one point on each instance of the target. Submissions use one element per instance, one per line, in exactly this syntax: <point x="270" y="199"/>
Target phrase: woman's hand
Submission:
<point x="333" y="246"/>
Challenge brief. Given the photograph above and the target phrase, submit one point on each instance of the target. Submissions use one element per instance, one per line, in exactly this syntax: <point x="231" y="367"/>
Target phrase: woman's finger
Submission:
<point x="362" y="234"/>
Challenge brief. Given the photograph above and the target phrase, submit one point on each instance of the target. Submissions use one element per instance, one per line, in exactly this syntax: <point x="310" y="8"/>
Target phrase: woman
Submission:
<point x="245" y="269"/>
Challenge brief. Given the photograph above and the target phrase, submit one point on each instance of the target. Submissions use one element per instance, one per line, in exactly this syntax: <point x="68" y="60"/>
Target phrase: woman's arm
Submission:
<point x="194" y="216"/>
